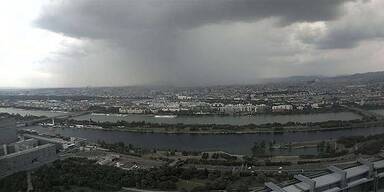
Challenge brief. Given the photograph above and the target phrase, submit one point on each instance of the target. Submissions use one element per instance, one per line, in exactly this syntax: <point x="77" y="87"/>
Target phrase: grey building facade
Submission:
<point x="365" y="177"/>
<point x="27" y="159"/>
<point x="8" y="132"/>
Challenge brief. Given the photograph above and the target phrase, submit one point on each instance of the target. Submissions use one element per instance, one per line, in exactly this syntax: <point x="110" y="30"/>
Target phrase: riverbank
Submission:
<point x="272" y="128"/>
<point x="232" y="143"/>
<point x="181" y="128"/>
<point x="257" y="131"/>
<point x="335" y="109"/>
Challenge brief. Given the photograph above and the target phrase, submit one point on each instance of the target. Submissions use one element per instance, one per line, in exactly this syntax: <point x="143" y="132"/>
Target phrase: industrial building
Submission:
<point x="7" y="134"/>
<point x="22" y="155"/>
<point x="59" y="143"/>
<point x="365" y="177"/>
<point x="24" y="145"/>
<point x="27" y="159"/>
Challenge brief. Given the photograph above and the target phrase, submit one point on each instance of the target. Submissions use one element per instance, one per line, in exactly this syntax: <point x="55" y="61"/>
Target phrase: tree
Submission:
<point x="205" y="156"/>
<point x="259" y="149"/>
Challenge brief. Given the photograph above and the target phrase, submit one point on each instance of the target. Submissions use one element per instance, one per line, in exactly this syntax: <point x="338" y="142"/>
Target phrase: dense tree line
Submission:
<point x="64" y="174"/>
<point x="276" y="127"/>
<point x="353" y="140"/>
<point x="123" y="148"/>
<point x="85" y="173"/>
<point x="368" y="145"/>
<point x="75" y="173"/>
<point x="14" y="183"/>
<point x="371" y="147"/>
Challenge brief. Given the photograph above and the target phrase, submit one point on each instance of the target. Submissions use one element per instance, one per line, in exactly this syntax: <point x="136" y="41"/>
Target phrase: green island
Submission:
<point x="147" y="127"/>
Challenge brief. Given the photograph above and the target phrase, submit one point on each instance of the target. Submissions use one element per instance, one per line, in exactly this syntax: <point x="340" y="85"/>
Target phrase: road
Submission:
<point x="29" y="182"/>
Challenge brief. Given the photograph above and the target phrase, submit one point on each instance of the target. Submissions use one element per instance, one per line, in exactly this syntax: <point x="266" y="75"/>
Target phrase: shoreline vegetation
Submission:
<point x="115" y="111"/>
<point x="180" y="128"/>
<point x="271" y="128"/>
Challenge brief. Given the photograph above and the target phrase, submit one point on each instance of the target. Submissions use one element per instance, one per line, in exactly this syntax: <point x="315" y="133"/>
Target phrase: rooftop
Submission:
<point x="332" y="178"/>
<point x="26" y="151"/>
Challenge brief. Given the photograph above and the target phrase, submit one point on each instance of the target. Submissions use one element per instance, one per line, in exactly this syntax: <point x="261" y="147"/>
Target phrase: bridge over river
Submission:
<point x="364" y="113"/>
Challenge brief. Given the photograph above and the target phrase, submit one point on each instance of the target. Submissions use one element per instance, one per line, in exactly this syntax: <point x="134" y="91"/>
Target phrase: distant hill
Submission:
<point x="364" y="77"/>
<point x="295" y="79"/>
<point x="358" y="78"/>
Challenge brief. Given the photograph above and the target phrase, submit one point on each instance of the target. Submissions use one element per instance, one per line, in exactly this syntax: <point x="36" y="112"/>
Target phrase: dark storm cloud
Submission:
<point x="189" y="42"/>
<point x="106" y="19"/>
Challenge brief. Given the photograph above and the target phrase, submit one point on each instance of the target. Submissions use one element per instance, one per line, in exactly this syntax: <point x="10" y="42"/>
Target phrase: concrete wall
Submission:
<point x="7" y="131"/>
<point x="59" y="143"/>
<point x="27" y="159"/>
<point x="25" y="144"/>
<point x="366" y="177"/>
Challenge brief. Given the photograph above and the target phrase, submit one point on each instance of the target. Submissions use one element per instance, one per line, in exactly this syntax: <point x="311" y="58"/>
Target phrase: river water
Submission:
<point x="234" y="143"/>
<point x="231" y="120"/>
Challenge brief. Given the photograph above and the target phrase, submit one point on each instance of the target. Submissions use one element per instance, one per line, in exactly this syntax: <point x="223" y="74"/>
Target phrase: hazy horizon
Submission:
<point x="259" y="82"/>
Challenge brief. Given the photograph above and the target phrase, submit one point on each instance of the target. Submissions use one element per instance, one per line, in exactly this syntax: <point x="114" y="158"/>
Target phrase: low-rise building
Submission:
<point x="59" y="143"/>
<point x="27" y="159"/>
<point x="282" y="108"/>
<point x="131" y="110"/>
<point x="365" y="177"/>
<point x="8" y="134"/>
<point x="25" y="144"/>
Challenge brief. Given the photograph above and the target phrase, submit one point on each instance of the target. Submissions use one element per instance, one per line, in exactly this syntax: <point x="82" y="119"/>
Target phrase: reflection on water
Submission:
<point x="241" y="143"/>
<point x="235" y="143"/>
<point x="232" y="120"/>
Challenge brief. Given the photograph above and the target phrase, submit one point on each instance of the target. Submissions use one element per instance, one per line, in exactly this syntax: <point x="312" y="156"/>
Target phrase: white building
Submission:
<point x="131" y="110"/>
<point x="282" y="108"/>
<point x="365" y="177"/>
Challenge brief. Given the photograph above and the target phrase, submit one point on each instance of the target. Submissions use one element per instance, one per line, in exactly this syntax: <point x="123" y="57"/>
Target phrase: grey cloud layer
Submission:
<point x="363" y="20"/>
<point x="105" y="19"/>
<point x="198" y="42"/>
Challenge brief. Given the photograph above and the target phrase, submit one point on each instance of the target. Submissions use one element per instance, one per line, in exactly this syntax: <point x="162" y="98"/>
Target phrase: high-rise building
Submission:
<point x="27" y="159"/>
<point x="7" y="131"/>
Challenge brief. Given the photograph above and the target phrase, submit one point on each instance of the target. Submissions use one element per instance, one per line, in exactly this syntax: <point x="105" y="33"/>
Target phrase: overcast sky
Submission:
<point x="185" y="42"/>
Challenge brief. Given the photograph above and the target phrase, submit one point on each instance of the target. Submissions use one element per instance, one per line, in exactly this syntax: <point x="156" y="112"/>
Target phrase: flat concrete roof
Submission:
<point x="48" y="139"/>
<point x="332" y="178"/>
<point x="355" y="171"/>
<point x="378" y="164"/>
<point x="27" y="151"/>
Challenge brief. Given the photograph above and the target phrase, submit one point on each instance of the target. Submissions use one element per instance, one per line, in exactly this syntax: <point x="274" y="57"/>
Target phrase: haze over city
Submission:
<point x="192" y="95"/>
<point x="185" y="43"/>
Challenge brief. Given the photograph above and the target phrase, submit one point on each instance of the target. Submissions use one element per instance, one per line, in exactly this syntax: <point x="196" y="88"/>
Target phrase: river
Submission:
<point x="231" y="120"/>
<point x="234" y="143"/>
